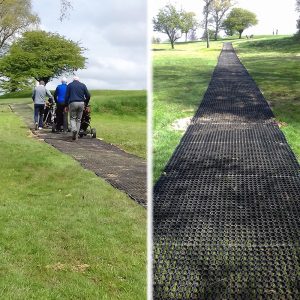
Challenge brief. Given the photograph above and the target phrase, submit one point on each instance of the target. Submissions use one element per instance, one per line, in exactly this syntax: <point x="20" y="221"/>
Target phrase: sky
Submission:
<point x="115" y="34"/>
<point x="271" y="14"/>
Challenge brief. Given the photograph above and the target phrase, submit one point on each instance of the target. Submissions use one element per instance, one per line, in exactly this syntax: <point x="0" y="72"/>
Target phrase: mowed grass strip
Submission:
<point x="274" y="63"/>
<point x="64" y="232"/>
<point x="180" y="78"/>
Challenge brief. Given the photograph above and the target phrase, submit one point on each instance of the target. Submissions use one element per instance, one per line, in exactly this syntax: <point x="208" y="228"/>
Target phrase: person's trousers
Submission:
<point x="76" y="110"/>
<point x="61" y="117"/>
<point x="66" y="121"/>
<point x="39" y="114"/>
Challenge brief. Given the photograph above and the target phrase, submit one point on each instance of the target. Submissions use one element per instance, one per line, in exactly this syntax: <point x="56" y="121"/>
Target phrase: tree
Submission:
<point x="218" y="11"/>
<point x="228" y="31"/>
<point x="206" y="12"/>
<point x="193" y="35"/>
<point x="65" y="8"/>
<point x="239" y="19"/>
<point x="168" y="21"/>
<point x="155" y="40"/>
<point x="188" y="22"/>
<point x="39" y="55"/>
<point x="211" y="34"/>
<point x="16" y="16"/>
<point x="298" y="10"/>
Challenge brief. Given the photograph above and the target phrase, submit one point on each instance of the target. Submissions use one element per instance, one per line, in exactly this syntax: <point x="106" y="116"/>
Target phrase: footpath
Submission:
<point x="227" y="207"/>
<point x="122" y="170"/>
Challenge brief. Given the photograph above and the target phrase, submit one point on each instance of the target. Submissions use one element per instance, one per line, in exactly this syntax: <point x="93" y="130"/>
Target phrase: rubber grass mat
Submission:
<point x="227" y="208"/>
<point x="122" y="170"/>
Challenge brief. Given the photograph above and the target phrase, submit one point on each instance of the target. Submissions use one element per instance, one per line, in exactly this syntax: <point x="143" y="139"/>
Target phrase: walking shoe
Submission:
<point x="40" y="128"/>
<point x="74" y="135"/>
<point x="36" y="126"/>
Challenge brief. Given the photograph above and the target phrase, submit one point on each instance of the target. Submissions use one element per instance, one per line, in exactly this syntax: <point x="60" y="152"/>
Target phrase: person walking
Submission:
<point x="77" y="96"/>
<point x="39" y="99"/>
<point x="59" y="97"/>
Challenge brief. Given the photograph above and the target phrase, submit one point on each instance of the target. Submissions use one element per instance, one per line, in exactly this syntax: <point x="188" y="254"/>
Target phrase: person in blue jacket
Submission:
<point x="59" y="97"/>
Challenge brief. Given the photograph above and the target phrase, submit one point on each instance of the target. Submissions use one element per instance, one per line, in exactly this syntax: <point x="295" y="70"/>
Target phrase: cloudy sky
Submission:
<point x="115" y="34"/>
<point x="271" y="14"/>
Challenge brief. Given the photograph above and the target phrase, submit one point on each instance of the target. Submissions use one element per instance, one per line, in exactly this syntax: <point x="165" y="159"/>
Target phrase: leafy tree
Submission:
<point x="206" y="12"/>
<point x="65" y="8"/>
<point x="229" y="31"/>
<point x="39" y="55"/>
<point x="168" y="21"/>
<point x="298" y="10"/>
<point x="218" y="10"/>
<point x="211" y="34"/>
<point x="16" y="16"/>
<point x="188" y="22"/>
<point x="193" y="35"/>
<point x="239" y="19"/>
<point x="155" y="40"/>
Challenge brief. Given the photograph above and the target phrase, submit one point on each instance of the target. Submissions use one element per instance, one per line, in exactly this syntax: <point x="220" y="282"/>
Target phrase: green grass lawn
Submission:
<point x="274" y="63"/>
<point x="181" y="77"/>
<point x="120" y="119"/>
<point x="64" y="232"/>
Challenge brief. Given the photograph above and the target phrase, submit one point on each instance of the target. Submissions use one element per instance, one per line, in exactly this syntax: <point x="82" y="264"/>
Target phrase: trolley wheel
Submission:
<point x="93" y="133"/>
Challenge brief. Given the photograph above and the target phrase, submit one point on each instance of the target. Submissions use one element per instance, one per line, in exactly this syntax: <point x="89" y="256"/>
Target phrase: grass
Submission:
<point x="118" y="116"/>
<point x="274" y="63"/>
<point x="64" y="233"/>
<point x="181" y="77"/>
<point x="120" y="119"/>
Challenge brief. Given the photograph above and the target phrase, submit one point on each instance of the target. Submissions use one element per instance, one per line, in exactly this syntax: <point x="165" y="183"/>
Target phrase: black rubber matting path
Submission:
<point x="227" y="210"/>
<point x="122" y="170"/>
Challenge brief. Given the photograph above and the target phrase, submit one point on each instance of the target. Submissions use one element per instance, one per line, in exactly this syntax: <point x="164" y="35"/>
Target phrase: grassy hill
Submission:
<point x="274" y="63"/>
<point x="64" y="232"/>
<point x="120" y="119"/>
<point x="181" y="77"/>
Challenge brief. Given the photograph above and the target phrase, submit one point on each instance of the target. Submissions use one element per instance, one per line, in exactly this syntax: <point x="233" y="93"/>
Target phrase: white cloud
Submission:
<point x="114" y="33"/>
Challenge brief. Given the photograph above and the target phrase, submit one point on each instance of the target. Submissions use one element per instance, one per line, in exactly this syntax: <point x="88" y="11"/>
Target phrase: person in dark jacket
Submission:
<point x="77" y="96"/>
<point x="59" y="97"/>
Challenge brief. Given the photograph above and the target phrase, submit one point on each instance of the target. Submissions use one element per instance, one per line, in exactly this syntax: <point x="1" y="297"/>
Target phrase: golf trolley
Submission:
<point x="85" y="127"/>
<point x="49" y="114"/>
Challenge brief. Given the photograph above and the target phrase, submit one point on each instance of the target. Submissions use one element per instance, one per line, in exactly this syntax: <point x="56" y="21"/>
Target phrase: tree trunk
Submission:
<point x="207" y="40"/>
<point x="206" y="32"/>
<point x="217" y="31"/>
<point x="171" y="38"/>
<point x="186" y="36"/>
<point x="240" y="32"/>
<point x="206" y="29"/>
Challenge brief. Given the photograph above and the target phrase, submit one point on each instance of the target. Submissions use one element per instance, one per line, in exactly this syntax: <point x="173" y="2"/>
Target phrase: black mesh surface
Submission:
<point x="227" y="209"/>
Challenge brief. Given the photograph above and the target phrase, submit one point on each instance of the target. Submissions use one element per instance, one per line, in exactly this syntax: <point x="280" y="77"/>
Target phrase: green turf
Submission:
<point x="64" y="232"/>
<point x="120" y="119"/>
<point x="16" y="95"/>
<point x="274" y="63"/>
<point x="181" y="77"/>
<point x="119" y="116"/>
